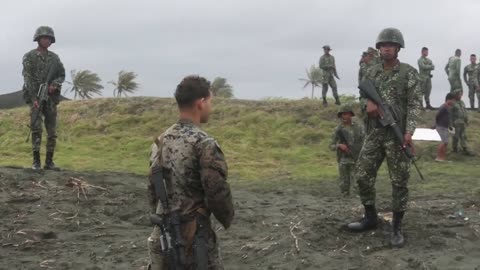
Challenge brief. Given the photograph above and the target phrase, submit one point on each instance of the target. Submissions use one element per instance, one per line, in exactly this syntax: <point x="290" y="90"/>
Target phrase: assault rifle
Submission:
<point x="387" y="119"/>
<point x="41" y="99"/>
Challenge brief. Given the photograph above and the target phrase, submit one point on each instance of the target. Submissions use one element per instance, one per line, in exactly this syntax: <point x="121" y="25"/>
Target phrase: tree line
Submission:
<point x="86" y="84"/>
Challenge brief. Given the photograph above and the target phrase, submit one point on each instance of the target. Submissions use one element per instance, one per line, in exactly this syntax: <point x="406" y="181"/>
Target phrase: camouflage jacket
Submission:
<point x="470" y="75"/>
<point x="195" y="173"/>
<point x="425" y="67"/>
<point x="400" y="89"/>
<point x="350" y="135"/>
<point x="35" y="69"/>
<point x="453" y="67"/>
<point x="327" y="65"/>
<point x="458" y="114"/>
<point x="362" y="72"/>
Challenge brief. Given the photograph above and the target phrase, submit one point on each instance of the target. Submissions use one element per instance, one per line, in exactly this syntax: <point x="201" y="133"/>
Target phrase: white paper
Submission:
<point x="426" y="134"/>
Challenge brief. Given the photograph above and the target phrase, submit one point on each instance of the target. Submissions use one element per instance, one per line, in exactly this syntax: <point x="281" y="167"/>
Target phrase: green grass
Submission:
<point x="266" y="142"/>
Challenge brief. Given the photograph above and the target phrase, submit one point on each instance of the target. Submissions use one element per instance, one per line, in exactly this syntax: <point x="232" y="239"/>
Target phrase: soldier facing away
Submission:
<point x="365" y="63"/>
<point x="470" y="77"/>
<point x="425" y="67"/>
<point x="460" y="121"/>
<point x="347" y="140"/>
<point x="398" y="85"/>
<point x="453" y="71"/>
<point x="40" y="65"/>
<point x="329" y="71"/>
<point x="195" y="173"/>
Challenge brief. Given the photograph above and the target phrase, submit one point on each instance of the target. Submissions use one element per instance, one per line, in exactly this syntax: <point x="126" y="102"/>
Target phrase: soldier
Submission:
<point x="195" y="172"/>
<point x="470" y="77"/>
<point x="459" y="120"/>
<point x="37" y="64"/>
<point x="453" y="71"/>
<point x="425" y="67"/>
<point x="398" y="85"/>
<point x="374" y="56"/>
<point x="365" y="63"/>
<point x="327" y="65"/>
<point x="347" y="140"/>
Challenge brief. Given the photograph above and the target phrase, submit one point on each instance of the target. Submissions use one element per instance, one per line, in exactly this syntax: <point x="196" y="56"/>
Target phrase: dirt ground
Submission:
<point x="85" y="220"/>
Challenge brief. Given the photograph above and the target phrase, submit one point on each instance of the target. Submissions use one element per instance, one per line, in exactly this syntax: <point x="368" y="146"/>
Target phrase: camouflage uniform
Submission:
<point x="459" y="119"/>
<point x="353" y="137"/>
<point x="195" y="173"/>
<point x="425" y="67"/>
<point x="35" y="69"/>
<point x="327" y="65"/>
<point x="399" y="88"/>
<point x="453" y="71"/>
<point x="470" y="76"/>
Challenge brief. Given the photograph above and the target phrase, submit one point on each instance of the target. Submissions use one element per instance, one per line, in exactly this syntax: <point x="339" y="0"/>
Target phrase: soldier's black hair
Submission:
<point x="449" y="96"/>
<point x="424" y="49"/>
<point x="473" y="55"/>
<point x="190" y="89"/>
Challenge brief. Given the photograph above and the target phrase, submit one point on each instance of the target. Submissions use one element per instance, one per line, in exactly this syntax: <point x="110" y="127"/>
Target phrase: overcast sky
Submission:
<point x="261" y="47"/>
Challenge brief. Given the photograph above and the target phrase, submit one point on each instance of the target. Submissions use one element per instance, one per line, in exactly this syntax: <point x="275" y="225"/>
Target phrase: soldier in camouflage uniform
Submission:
<point x="459" y="120"/>
<point x="398" y="85"/>
<point x="374" y="56"/>
<point x="470" y="77"/>
<point x="453" y="71"/>
<point x="36" y="66"/>
<point x="365" y="63"/>
<point x="329" y="70"/>
<point x="195" y="173"/>
<point x="347" y="140"/>
<point x="425" y="67"/>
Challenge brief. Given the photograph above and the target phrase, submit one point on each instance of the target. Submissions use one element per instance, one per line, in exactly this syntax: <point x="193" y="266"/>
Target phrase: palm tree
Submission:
<point x="220" y="88"/>
<point x="85" y="84"/>
<point x="314" y="78"/>
<point x="125" y="83"/>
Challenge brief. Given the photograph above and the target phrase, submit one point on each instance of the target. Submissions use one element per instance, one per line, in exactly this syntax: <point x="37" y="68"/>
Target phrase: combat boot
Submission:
<point x="468" y="152"/>
<point x="397" y="240"/>
<point x="49" y="164"/>
<point x="325" y="103"/>
<point x="429" y="107"/>
<point x="368" y="222"/>
<point x="337" y="101"/>
<point x="36" y="161"/>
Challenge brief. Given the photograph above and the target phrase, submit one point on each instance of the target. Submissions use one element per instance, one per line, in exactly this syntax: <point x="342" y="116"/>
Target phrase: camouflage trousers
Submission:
<point x="459" y="136"/>
<point x="345" y="176"/>
<point x="455" y="83"/>
<point x="471" y="95"/>
<point x="48" y="116"/>
<point x="381" y="144"/>
<point x="159" y="262"/>
<point x="329" y="80"/>
<point x="426" y="85"/>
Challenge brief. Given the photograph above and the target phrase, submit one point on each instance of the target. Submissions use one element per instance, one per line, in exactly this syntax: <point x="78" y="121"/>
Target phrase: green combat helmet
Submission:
<point x="392" y="35"/>
<point x="345" y="108"/>
<point x="44" y="31"/>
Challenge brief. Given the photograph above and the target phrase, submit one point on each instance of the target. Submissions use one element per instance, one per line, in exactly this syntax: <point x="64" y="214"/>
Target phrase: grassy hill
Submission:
<point x="263" y="140"/>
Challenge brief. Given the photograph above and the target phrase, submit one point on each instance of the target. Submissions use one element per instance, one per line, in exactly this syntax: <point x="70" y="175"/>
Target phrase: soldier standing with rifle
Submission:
<point x="394" y="121"/>
<point x="43" y="74"/>
<point x="329" y="71"/>
<point x="188" y="183"/>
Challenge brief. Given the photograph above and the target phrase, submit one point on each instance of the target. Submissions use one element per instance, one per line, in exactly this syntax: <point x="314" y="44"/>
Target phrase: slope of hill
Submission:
<point x="14" y="100"/>
<point x="270" y="139"/>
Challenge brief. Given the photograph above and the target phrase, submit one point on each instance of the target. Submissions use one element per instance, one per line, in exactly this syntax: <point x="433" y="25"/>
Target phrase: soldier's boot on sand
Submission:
<point x="368" y="222"/>
<point x="36" y="161"/>
<point x="325" y="103"/>
<point x="49" y="164"/>
<point x="397" y="240"/>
